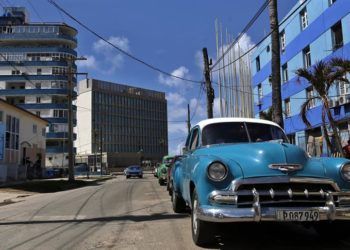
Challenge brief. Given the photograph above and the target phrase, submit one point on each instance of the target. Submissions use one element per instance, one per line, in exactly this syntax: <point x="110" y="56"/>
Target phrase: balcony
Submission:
<point x="41" y="49"/>
<point x="26" y="92"/>
<point x="45" y="106"/>
<point x="58" y="149"/>
<point x="59" y="135"/>
<point x="60" y="120"/>
<point x="40" y="37"/>
<point x="36" y="63"/>
<point x="25" y="77"/>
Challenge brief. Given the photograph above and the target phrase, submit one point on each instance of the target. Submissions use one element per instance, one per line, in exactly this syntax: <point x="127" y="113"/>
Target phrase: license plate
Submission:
<point x="304" y="215"/>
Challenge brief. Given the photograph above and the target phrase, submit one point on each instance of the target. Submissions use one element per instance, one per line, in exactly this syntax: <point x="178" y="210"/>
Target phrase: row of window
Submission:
<point x="28" y="29"/>
<point x="12" y="133"/>
<point x="337" y="41"/>
<point x="128" y="148"/>
<point x="22" y="56"/>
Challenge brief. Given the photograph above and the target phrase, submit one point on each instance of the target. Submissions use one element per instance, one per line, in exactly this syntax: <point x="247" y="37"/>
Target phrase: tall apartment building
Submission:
<point x="317" y="30"/>
<point x="33" y="74"/>
<point x="129" y="122"/>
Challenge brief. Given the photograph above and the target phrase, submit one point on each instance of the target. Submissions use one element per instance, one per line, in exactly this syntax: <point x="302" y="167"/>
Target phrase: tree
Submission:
<point x="277" y="114"/>
<point x="322" y="76"/>
<point x="266" y="115"/>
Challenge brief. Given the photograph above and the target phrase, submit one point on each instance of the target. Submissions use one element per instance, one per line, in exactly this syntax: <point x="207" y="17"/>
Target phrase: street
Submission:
<point x="130" y="214"/>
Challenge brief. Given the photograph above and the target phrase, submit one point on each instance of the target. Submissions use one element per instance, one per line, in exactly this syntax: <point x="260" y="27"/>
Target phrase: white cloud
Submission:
<point x="112" y="57"/>
<point x="182" y="72"/>
<point x="121" y="42"/>
<point x="89" y="63"/>
<point x="198" y="58"/>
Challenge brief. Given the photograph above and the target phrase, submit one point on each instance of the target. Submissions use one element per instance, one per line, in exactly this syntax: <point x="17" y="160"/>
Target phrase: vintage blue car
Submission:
<point x="244" y="170"/>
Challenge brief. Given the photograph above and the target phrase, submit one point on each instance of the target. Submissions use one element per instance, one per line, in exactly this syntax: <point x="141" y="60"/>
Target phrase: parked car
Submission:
<point x="133" y="171"/>
<point x="162" y="170"/>
<point x="155" y="170"/>
<point x="244" y="170"/>
<point x="169" y="180"/>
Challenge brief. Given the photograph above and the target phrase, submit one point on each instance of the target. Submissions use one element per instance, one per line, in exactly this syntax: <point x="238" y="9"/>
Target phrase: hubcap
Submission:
<point x="194" y="216"/>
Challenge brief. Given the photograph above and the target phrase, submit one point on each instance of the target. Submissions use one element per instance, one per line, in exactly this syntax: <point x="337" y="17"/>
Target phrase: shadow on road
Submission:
<point x="275" y="236"/>
<point x="132" y="218"/>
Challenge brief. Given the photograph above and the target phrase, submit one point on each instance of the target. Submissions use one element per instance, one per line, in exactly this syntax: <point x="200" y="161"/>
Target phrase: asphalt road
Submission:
<point x="131" y="214"/>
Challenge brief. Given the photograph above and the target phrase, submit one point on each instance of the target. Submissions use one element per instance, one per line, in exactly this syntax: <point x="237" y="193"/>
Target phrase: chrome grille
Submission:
<point x="286" y="194"/>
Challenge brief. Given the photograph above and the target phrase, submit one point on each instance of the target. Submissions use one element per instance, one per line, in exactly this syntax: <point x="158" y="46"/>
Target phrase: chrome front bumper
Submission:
<point x="215" y="214"/>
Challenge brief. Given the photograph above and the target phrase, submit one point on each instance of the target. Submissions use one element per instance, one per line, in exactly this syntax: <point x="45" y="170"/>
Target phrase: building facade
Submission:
<point x="22" y="141"/>
<point x="315" y="30"/>
<point x="129" y="122"/>
<point x="34" y="62"/>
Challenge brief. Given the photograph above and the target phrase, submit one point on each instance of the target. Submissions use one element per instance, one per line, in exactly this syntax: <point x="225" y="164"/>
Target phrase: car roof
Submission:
<point x="206" y="122"/>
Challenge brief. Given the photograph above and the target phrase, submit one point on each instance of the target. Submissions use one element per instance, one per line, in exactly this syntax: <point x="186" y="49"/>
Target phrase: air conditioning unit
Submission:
<point x="342" y="100"/>
<point x="331" y="103"/>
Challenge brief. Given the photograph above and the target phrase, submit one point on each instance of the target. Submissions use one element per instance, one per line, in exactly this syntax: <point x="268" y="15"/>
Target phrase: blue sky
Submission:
<point x="167" y="34"/>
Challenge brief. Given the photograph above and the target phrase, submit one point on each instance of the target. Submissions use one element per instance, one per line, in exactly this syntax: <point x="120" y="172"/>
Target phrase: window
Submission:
<point x="303" y="19"/>
<point x="283" y="40"/>
<point x="287" y="107"/>
<point x="38" y="71"/>
<point x="35" y="129"/>
<point x="330" y="2"/>
<point x="307" y="57"/>
<point x="38" y="85"/>
<point x="38" y="99"/>
<point x="37" y="113"/>
<point x="310" y="94"/>
<point x="257" y="61"/>
<point x="337" y="36"/>
<point x="194" y="139"/>
<point x="260" y="92"/>
<point x="16" y="72"/>
<point x="12" y="133"/>
<point x="60" y="113"/>
<point x="343" y="88"/>
<point x="284" y="73"/>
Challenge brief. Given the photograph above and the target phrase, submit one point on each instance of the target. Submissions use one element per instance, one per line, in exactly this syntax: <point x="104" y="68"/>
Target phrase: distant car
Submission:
<point x="133" y="171"/>
<point x="244" y="170"/>
<point x="169" y="181"/>
<point x="162" y="170"/>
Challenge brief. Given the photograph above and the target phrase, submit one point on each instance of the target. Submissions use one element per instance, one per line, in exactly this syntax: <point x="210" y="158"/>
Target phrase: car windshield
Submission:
<point x="134" y="167"/>
<point x="236" y="132"/>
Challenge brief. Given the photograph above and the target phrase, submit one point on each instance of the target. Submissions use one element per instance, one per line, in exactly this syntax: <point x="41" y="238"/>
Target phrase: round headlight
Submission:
<point x="345" y="171"/>
<point x="217" y="171"/>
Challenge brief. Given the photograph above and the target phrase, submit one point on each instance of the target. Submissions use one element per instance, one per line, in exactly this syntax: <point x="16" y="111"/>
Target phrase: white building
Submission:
<point x="22" y="140"/>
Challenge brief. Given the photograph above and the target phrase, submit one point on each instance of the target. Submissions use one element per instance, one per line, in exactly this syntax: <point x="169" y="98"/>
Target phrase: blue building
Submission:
<point x="316" y="30"/>
<point x="33" y="74"/>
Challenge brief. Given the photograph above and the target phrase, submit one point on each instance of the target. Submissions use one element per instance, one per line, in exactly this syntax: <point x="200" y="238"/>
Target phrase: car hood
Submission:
<point x="255" y="158"/>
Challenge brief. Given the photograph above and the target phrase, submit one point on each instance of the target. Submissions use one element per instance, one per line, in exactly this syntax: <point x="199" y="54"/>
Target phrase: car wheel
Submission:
<point x="335" y="229"/>
<point x="141" y="176"/>
<point x="170" y="189"/>
<point x="202" y="231"/>
<point x="179" y="205"/>
<point x="160" y="181"/>
<point x="127" y="177"/>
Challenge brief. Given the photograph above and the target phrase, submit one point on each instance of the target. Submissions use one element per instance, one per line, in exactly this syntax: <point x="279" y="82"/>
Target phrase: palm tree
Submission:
<point x="277" y="113"/>
<point x="322" y="76"/>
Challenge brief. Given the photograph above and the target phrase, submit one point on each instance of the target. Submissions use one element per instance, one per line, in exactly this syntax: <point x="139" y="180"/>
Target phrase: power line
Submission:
<point x="52" y="2"/>
<point x="261" y="41"/>
<point x="246" y="28"/>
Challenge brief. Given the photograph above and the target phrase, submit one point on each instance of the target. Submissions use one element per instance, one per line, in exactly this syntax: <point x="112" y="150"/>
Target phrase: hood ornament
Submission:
<point x="286" y="168"/>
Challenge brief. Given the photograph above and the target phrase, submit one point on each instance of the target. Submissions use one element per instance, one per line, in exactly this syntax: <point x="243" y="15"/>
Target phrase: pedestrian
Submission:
<point x="346" y="150"/>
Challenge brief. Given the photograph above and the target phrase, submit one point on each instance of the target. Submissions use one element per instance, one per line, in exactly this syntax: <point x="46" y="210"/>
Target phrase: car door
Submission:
<point x="188" y="162"/>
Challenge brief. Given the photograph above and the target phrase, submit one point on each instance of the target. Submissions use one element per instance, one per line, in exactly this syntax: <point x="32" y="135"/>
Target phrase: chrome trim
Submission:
<point x="282" y="179"/>
<point x="331" y="206"/>
<point x="256" y="206"/>
<point x="224" y="214"/>
<point x="285" y="167"/>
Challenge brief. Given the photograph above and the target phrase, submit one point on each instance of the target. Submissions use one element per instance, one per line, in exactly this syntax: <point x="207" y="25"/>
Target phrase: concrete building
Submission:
<point x="318" y="30"/>
<point x="33" y="73"/>
<point x="129" y="122"/>
<point x="22" y="140"/>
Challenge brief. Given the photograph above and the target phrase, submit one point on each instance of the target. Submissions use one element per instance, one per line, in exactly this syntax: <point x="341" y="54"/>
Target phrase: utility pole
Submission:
<point x="209" y="88"/>
<point x="101" y="152"/>
<point x="70" y="118"/>
<point x="188" y="118"/>
<point x="277" y="116"/>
